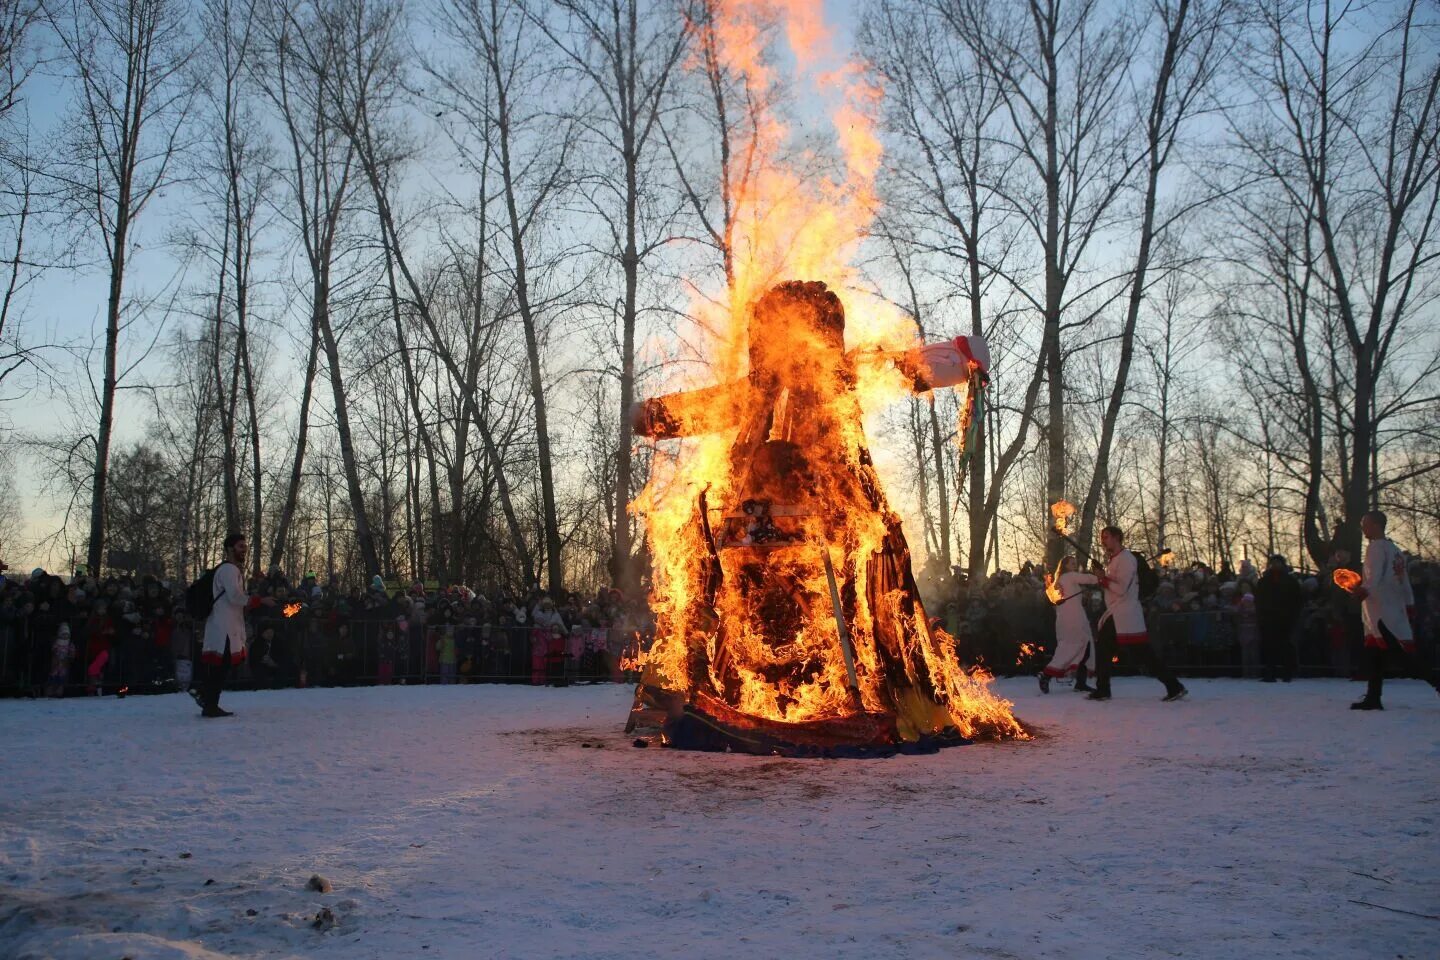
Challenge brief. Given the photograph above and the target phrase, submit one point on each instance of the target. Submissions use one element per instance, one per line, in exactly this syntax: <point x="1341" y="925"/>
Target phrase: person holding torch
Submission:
<point x="1122" y="628"/>
<point x="1386" y="602"/>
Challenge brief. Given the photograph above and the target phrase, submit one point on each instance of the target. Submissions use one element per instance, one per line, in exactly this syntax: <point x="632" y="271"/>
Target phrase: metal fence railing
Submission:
<point x="300" y="653"/>
<point x="320" y="652"/>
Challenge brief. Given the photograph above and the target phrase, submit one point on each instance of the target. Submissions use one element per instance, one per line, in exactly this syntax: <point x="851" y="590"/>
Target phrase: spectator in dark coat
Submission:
<point x="1278" y="603"/>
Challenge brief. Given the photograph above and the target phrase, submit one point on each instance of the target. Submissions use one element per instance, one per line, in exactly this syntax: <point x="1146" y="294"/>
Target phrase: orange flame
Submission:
<point x="1062" y="512"/>
<point x="739" y="586"/>
<point x="1052" y="587"/>
<point x="1167" y="559"/>
<point x="291" y="609"/>
<point x="1347" y="580"/>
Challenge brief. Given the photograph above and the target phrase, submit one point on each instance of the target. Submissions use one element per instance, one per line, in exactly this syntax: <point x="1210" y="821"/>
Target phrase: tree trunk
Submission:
<point x="549" y="513"/>
<point x="364" y="539"/>
<point x="292" y="489"/>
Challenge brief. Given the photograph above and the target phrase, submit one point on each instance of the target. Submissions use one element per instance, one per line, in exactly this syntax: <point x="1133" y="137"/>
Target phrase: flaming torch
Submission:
<point x="291" y="609"/>
<point x="1062" y="512"/>
<point x="1347" y="580"/>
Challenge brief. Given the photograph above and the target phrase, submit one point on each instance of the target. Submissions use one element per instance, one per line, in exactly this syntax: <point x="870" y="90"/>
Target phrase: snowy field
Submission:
<point x="483" y="821"/>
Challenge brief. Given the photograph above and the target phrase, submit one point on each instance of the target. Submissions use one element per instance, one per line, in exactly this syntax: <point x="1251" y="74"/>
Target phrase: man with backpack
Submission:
<point x="1122" y="627"/>
<point x="218" y="597"/>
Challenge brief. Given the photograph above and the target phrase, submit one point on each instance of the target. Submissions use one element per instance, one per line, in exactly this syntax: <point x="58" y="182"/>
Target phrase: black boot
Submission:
<point x="210" y="686"/>
<point x="1173" y="693"/>
<point x="1375" y="683"/>
<point x="1044" y="682"/>
<point x="1080" y="674"/>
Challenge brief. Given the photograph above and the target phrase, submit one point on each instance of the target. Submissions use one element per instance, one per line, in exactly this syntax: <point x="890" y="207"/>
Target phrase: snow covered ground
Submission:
<point x="483" y="821"/>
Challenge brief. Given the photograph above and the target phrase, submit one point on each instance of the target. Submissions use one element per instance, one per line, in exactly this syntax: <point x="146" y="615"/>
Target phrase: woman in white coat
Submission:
<point x="1074" y="643"/>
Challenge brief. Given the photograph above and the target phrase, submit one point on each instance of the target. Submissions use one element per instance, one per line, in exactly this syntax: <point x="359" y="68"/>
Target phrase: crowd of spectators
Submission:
<point x="96" y="635"/>
<point x="114" y="634"/>
<point x="1204" y="619"/>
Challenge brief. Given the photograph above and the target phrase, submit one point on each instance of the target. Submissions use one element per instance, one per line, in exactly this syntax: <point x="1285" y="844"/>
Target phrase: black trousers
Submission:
<point x="212" y="678"/>
<point x="1144" y="654"/>
<point x="1375" y="665"/>
<point x="1276" y="652"/>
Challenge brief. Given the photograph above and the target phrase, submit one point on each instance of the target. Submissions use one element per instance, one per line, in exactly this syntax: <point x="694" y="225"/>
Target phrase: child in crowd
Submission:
<point x="385" y="665"/>
<point x="445" y="650"/>
<point x="61" y="654"/>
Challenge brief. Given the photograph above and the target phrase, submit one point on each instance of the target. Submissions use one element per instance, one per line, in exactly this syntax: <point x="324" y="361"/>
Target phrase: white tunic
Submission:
<point x="1122" y="599"/>
<point x="1072" y="627"/>
<point x="1387" y="591"/>
<point x="227" y="617"/>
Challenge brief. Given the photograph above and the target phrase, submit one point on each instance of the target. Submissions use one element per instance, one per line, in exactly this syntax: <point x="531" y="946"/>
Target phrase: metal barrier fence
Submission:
<point x="301" y="653"/>
<point x="313" y="652"/>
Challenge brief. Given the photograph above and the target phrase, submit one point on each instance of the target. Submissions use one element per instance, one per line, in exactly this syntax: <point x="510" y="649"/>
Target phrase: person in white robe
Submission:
<point x="1386" y="607"/>
<point x="1074" y="641"/>
<point x="224" y="643"/>
<point x="1122" y="626"/>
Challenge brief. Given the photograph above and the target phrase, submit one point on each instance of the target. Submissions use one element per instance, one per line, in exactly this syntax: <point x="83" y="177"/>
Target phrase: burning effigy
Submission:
<point x="787" y="616"/>
<point x="789" y="621"/>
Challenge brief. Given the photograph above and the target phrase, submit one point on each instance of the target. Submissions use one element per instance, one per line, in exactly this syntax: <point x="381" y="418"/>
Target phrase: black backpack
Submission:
<point x="200" y="596"/>
<point x="1146" y="579"/>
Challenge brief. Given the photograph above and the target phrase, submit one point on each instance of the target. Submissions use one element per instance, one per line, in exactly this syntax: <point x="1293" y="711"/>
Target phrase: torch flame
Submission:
<point x="1052" y="588"/>
<point x="291" y="609"/>
<point x="1062" y="512"/>
<point x="1347" y="580"/>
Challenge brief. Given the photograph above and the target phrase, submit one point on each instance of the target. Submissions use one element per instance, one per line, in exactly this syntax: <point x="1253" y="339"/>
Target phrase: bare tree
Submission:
<point x="950" y="192"/>
<point x="1061" y="68"/>
<point x="18" y="181"/>
<point x="1189" y="38"/>
<point x="127" y="58"/>
<point x="319" y="177"/>
<point x="624" y="52"/>
<point x="1347" y="136"/>
<point x="496" y="91"/>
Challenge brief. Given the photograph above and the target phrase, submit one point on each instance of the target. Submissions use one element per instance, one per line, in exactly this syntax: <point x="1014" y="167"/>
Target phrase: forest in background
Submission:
<point x="376" y="282"/>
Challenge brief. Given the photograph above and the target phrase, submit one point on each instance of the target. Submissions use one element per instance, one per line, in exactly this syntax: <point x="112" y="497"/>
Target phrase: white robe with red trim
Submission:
<point x="227" y="617"/>
<point x="1122" y="599"/>
<point x="1387" y="592"/>
<point x="1072" y="627"/>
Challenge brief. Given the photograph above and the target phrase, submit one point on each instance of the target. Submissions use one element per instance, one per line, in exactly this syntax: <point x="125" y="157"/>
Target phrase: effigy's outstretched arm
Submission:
<point x="945" y="364"/>
<point x="689" y="412"/>
<point x="963" y="360"/>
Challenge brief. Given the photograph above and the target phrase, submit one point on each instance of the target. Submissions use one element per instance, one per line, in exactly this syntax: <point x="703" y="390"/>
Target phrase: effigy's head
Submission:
<point x="797" y="333"/>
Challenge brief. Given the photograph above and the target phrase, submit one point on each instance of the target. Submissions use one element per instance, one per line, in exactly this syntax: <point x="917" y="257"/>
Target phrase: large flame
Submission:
<point x="770" y="639"/>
